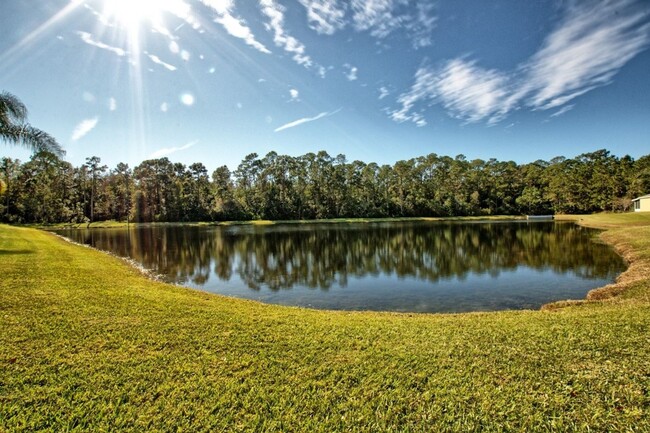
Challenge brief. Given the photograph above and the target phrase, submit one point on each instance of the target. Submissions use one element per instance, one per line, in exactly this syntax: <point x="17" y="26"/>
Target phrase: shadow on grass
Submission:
<point x="10" y="252"/>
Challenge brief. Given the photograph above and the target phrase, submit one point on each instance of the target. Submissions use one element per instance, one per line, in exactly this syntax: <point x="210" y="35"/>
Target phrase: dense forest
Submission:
<point x="47" y="189"/>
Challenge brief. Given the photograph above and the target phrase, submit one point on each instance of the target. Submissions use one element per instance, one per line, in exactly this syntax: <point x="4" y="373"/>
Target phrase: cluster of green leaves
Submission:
<point x="14" y="128"/>
<point x="88" y="344"/>
<point x="316" y="186"/>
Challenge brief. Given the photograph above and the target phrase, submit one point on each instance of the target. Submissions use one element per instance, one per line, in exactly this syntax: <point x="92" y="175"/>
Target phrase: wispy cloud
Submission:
<point x="88" y="39"/>
<point x="378" y="17"/>
<point x="295" y="95"/>
<point x="471" y="93"/>
<point x="383" y="92"/>
<point x="350" y="72"/>
<point x="305" y="120"/>
<point x="157" y="61"/>
<point x="589" y="46"/>
<point x="112" y="104"/>
<point x="324" y="16"/>
<point x="234" y="26"/>
<point x="281" y="38"/>
<point x="422" y="25"/>
<point x="563" y="110"/>
<point x="424" y="88"/>
<point x="169" y="150"/>
<point x="84" y="127"/>
<point x="383" y="17"/>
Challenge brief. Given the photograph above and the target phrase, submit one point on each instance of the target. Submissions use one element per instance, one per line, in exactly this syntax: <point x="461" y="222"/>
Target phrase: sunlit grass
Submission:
<point x="122" y="224"/>
<point x="606" y="220"/>
<point x="88" y="344"/>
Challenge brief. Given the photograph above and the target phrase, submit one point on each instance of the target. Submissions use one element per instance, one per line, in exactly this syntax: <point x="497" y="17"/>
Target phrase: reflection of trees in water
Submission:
<point x="320" y="256"/>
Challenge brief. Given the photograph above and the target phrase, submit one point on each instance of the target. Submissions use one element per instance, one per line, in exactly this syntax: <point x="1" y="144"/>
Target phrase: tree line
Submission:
<point x="47" y="189"/>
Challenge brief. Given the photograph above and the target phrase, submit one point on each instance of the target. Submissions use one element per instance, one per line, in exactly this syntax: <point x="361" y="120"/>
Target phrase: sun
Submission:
<point x="132" y="14"/>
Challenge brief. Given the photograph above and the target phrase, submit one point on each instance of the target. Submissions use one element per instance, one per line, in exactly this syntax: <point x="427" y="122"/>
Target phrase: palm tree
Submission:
<point x="14" y="128"/>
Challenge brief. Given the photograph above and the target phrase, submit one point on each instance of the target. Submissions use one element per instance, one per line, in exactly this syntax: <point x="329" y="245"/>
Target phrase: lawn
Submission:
<point x="89" y="344"/>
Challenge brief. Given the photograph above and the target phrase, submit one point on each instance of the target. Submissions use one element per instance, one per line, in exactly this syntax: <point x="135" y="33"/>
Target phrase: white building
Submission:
<point x="642" y="204"/>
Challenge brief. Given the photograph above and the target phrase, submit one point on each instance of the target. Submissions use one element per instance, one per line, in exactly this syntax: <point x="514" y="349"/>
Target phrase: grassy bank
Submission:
<point x="88" y="344"/>
<point x="122" y="224"/>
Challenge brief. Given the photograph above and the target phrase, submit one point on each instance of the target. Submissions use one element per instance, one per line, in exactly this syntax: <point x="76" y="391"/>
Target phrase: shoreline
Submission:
<point x="121" y="224"/>
<point x="635" y="272"/>
<point x="616" y="235"/>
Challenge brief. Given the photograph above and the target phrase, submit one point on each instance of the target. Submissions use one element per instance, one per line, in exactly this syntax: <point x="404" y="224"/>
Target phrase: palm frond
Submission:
<point x="32" y="138"/>
<point x="12" y="110"/>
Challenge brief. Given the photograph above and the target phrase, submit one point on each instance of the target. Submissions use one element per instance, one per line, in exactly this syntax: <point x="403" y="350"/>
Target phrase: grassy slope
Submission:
<point x="88" y="344"/>
<point x="120" y="224"/>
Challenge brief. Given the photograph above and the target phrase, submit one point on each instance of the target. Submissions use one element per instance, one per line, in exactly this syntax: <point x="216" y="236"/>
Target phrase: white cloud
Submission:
<point x="88" y="39"/>
<point x="221" y="7"/>
<point x="383" y="17"/>
<point x="471" y="93"/>
<point x="112" y="104"/>
<point x="378" y="17"/>
<point x="275" y="13"/>
<point x="157" y="61"/>
<point x="563" y="110"/>
<point x="164" y="107"/>
<point x="305" y="120"/>
<point x="84" y="127"/>
<point x="423" y="88"/>
<point x="295" y="95"/>
<point x="324" y="16"/>
<point x="422" y="25"/>
<point x="234" y="26"/>
<point x="383" y="92"/>
<point x="351" y="73"/>
<point x="169" y="150"/>
<point x="589" y="46"/>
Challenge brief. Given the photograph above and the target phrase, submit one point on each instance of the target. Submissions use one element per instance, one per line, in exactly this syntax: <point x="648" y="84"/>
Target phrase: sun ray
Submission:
<point x="130" y="18"/>
<point x="5" y="59"/>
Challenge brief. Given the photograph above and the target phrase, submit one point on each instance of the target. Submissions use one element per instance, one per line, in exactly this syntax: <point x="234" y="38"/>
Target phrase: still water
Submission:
<point x="415" y="267"/>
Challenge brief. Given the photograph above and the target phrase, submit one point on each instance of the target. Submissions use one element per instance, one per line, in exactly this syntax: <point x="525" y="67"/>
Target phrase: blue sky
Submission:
<point x="378" y="80"/>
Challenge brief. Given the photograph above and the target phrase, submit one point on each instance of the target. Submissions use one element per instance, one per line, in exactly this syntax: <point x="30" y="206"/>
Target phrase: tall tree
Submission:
<point x="120" y="186"/>
<point x="95" y="171"/>
<point x="14" y="128"/>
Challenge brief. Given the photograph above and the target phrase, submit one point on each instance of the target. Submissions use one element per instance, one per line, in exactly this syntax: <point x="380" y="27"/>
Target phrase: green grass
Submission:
<point x="88" y="344"/>
<point x="121" y="224"/>
<point x="607" y="220"/>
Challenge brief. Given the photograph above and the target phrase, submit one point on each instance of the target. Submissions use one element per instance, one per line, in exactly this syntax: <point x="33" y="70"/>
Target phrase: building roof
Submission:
<point x="643" y="196"/>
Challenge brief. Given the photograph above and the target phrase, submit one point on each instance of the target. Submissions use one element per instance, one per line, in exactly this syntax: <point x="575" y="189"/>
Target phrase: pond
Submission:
<point x="405" y="266"/>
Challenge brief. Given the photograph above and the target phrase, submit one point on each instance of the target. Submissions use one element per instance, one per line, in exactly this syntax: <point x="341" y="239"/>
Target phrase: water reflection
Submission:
<point x="368" y="258"/>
